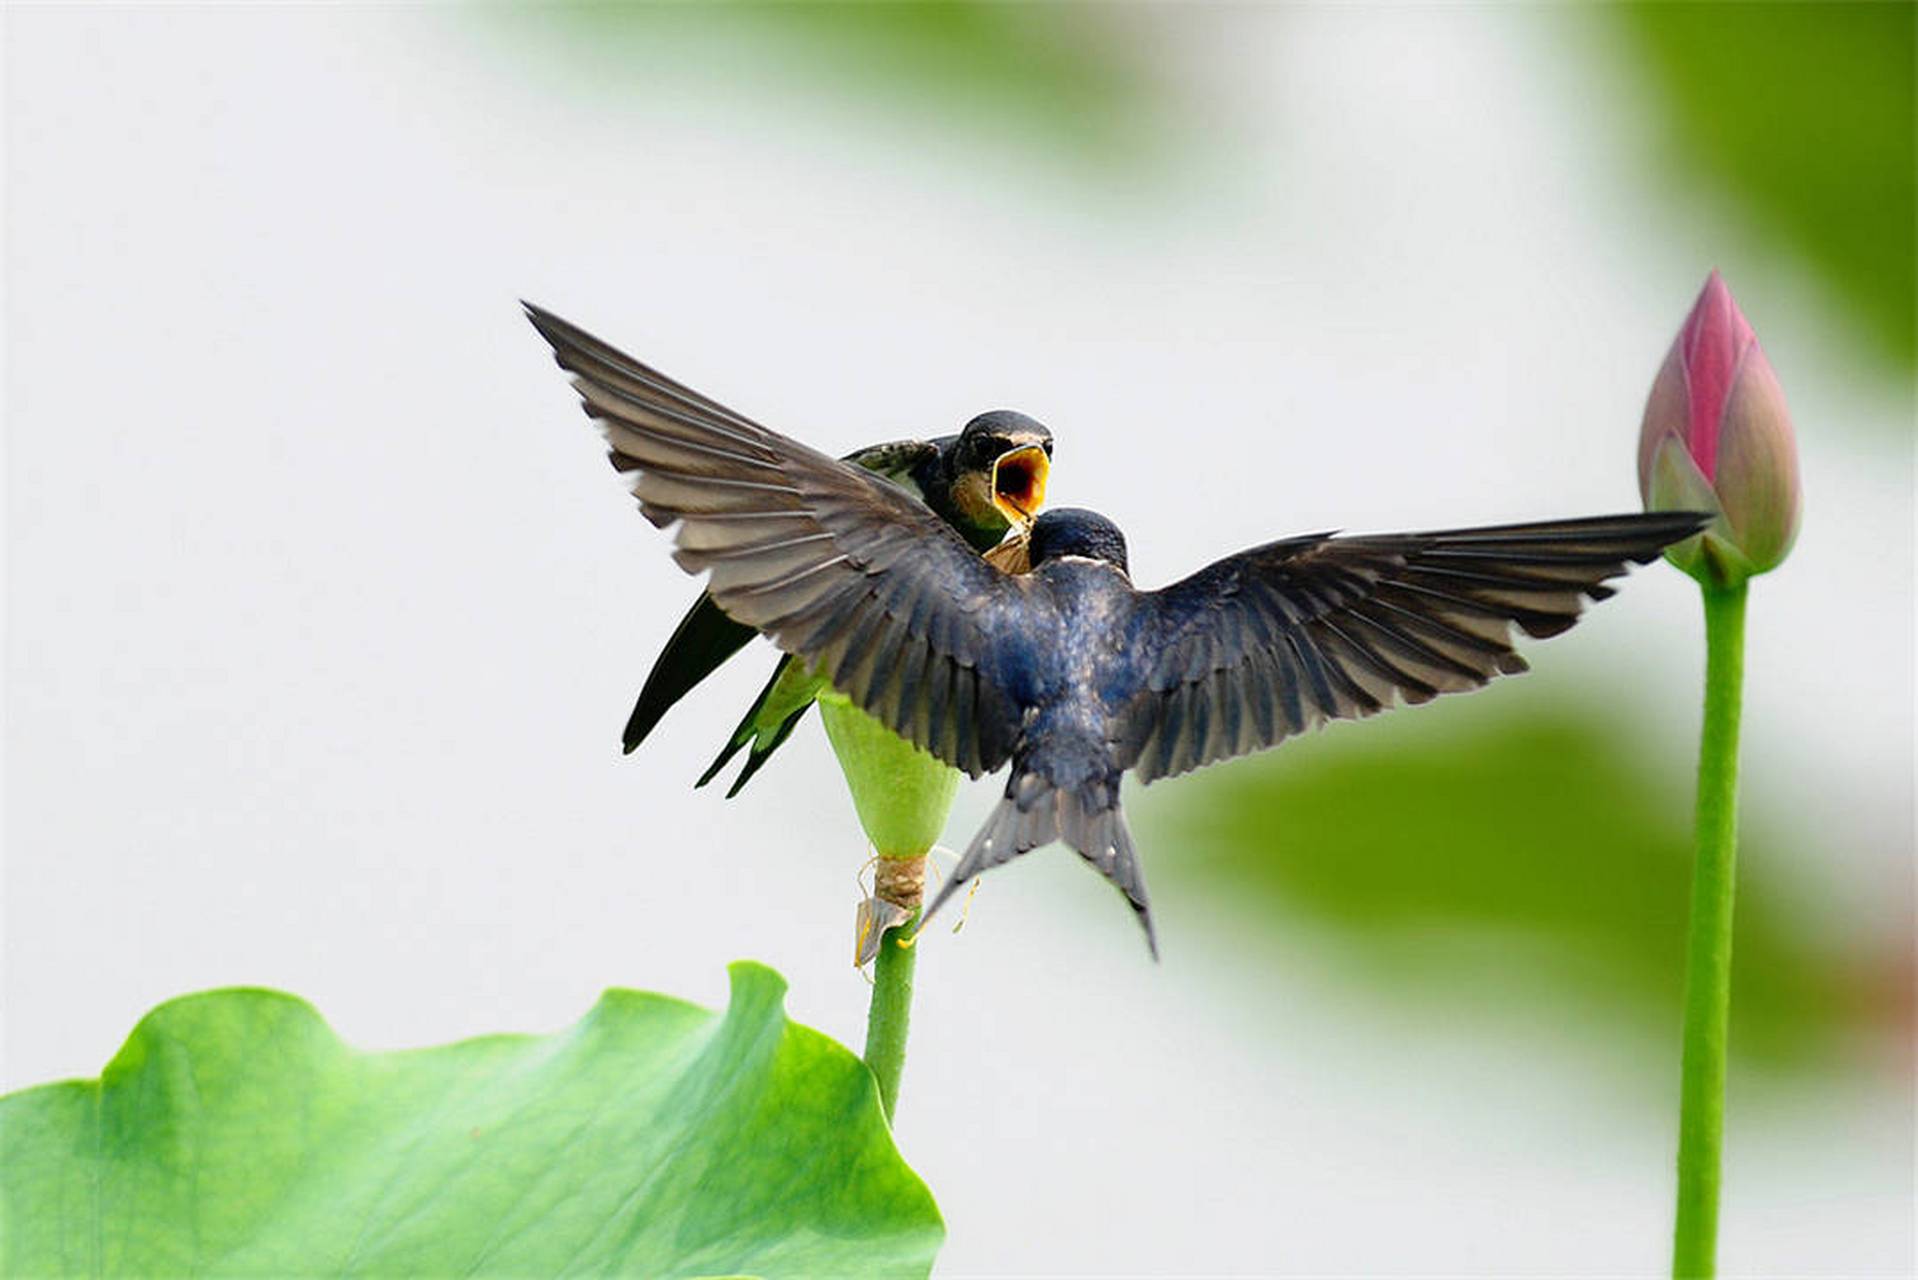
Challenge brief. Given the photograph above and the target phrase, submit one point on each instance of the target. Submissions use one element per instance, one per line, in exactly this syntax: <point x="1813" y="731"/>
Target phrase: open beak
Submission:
<point x="1019" y="485"/>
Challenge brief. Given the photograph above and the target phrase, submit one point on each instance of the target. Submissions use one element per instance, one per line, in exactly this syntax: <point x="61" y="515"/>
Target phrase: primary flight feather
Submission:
<point x="987" y="481"/>
<point x="1068" y="671"/>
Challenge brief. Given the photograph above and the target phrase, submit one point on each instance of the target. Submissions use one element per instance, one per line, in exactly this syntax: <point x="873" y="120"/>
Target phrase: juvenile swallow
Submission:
<point x="987" y="481"/>
<point x="1068" y="671"/>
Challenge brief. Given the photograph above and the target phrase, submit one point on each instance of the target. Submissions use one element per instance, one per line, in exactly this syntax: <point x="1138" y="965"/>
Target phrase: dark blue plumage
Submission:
<point x="1068" y="672"/>
<point x="1075" y="532"/>
<point x="1104" y="678"/>
<point x="953" y="474"/>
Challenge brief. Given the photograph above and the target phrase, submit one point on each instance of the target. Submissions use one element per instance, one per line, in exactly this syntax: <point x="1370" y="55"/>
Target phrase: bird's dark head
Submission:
<point x="1006" y="456"/>
<point x="1073" y="531"/>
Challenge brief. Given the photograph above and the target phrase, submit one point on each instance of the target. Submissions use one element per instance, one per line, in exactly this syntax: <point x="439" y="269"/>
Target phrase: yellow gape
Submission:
<point x="1019" y="484"/>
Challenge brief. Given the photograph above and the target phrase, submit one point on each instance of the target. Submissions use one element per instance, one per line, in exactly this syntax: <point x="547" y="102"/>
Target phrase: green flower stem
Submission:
<point x="890" y="1015"/>
<point x="1701" y="1115"/>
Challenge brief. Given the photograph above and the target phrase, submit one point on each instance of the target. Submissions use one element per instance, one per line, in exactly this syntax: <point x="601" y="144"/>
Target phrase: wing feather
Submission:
<point x="1276" y="640"/>
<point x="836" y="563"/>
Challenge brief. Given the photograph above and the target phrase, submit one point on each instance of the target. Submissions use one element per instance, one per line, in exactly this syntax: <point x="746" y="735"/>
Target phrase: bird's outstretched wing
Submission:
<point x="1272" y="641"/>
<point x="706" y="637"/>
<point x="895" y="459"/>
<point x="836" y="564"/>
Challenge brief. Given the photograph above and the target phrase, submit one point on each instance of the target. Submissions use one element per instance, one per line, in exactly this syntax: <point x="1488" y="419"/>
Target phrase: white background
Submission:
<point x="324" y="611"/>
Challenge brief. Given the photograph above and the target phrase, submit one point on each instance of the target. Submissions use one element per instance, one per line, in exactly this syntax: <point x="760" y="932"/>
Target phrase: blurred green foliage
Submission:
<point x="1046" y="75"/>
<point x="1473" y="856"/>
<point x="1801" y="112"/>
<point x="235" y="1135"/>
<point x="1804" y="113"/>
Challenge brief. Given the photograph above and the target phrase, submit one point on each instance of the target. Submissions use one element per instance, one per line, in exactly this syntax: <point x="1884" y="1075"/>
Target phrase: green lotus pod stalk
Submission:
<point x="1717" y="437"/>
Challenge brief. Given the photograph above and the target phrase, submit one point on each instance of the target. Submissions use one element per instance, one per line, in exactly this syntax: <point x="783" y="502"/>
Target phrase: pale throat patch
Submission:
<point x="972" y="495"/>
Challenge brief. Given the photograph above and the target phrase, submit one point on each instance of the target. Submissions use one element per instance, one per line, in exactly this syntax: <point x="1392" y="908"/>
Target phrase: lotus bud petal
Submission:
<point x="1717" y="437"/>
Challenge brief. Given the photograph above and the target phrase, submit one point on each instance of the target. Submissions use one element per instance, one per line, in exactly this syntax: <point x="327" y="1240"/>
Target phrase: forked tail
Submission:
<point x="1034" y="813"/>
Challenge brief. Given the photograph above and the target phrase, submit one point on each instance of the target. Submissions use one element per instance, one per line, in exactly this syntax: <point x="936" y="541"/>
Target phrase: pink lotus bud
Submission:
<point x="1717" y="437"/>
